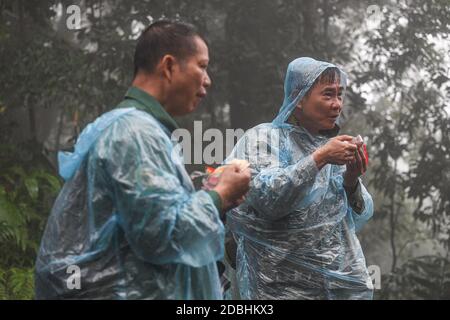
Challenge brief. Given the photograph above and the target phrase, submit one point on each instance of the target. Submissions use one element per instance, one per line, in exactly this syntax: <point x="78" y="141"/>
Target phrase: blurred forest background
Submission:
<point x="54" y="80"/>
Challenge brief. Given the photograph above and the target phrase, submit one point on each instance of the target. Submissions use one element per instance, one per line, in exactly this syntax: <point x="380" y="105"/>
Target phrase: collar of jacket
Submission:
<point x="149" y="104"/>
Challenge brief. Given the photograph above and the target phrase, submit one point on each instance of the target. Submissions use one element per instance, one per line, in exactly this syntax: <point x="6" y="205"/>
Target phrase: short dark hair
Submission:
<point x="161" y="38"/>
<point x="328" y="76"/>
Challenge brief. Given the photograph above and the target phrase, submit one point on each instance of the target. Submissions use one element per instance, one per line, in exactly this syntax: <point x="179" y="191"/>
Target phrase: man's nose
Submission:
<point x="336" y="104"/>
<point x="207" y="81"/>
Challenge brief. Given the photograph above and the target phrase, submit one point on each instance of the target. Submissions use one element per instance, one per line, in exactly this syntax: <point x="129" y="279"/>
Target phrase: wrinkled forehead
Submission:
<point x="327" y="87"/>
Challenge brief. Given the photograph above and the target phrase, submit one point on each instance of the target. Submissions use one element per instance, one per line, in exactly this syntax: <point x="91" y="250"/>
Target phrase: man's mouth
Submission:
<point x="201" y="95"/>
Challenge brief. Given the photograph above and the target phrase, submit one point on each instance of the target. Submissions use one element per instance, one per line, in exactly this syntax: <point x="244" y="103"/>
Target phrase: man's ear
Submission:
<point x="301" y="104"/>
<point x="167" y="66"/>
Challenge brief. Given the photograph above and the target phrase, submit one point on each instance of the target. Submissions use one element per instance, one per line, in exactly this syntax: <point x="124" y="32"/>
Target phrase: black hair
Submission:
<point x="161" y="38"/>
<point x="328" y="76"/>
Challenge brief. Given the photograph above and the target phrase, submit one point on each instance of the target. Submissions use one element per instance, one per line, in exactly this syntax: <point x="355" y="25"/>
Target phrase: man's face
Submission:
<point x="322" y="107"/>
<point x="190" y="81"/>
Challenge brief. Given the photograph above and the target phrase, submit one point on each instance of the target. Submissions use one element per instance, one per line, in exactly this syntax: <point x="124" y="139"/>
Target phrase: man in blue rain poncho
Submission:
<point x="295" y="232"/>
<point x="128" y="223"/>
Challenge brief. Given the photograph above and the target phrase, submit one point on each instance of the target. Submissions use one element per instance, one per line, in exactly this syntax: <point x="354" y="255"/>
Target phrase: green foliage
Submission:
<point x="425" y="277"/>
<point x="411" y="140"/>
<point x="25" y="192"/>
<point x="27" y="189"/>
<point x="86" y="72"/>
<point x="17" y="284"/>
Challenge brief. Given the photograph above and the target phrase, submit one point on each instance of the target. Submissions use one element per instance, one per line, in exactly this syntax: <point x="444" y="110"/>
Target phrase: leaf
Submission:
<point x="33" y="187"/>
<point x="12" y="223"/>
<point x="22" y="283"/>
<point x="3" y="290"/>
<point x="19" y="171"/>
<point x="9" y="213"/>
<point x="51" y="180"/>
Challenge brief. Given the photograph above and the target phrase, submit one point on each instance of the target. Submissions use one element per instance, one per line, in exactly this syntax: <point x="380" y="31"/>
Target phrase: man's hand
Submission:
<point x="338" y="150"/>
<point x="355" y="169"/>
<point x="233" y="185"/>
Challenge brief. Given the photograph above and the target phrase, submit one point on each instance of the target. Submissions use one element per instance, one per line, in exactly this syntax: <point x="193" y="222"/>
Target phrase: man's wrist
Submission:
<point x="350" y="184"/>
<point x="223" y="195"/>
<point x="355" y="197"/>
<point x="319" y="158"/>
<point x="217" y="200"/>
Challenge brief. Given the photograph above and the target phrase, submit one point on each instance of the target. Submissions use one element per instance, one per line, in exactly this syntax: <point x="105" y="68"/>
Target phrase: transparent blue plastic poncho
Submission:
<point x="296" y="232"/>
<point x="128" y="218"/>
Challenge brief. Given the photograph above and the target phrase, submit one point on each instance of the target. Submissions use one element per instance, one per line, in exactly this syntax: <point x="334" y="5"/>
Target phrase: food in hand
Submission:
<point x="358" y="140"/>
<point x="214" y="174"/>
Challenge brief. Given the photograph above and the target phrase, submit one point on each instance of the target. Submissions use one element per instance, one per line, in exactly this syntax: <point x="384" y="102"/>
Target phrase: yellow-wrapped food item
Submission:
<point x="242" y="164"/>
<point x="214" y="175"/>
